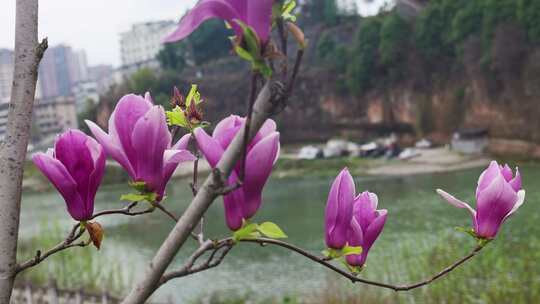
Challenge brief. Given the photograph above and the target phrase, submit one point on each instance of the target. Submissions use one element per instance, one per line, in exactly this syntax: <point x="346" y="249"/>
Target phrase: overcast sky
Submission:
<point x="93" y="25"/>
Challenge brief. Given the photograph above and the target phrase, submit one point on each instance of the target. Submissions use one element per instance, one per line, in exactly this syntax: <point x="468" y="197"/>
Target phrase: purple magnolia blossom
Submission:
<point x="262" y="153"/>
<point x="366" y="225"/>
<point x="255" y="13"/>
<point x="75" y="167"/>
<point x="339" y="210"/>
<point x="498" y="195"/>
<point x="140" y="141"/>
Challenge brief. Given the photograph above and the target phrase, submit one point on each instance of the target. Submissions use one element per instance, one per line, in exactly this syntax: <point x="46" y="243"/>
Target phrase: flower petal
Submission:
<point x="506" y="172"/>
<point x="234" y="206"/>
<point x="59" y="176"/>
<point x="338" y="212"/>
<point x="226" y="129"/>
<point x="516" y="181"/>
<point x="204" y="10"/>
<point x="259" y="164"/>
<point x="129" y="110"/>
<point x="171" y="159"/>
<point x="364" y="209"/>
<point x="520" y="201"/>
<point x="266" y="129"/>
<point x="259" y="17"/>
<point x="182" y="143"/>
<point x="209" y="147"/>
<point x="458" y="203"/>
<point x="112" y="148"/>
<point x="150" y="139"/>
<point x="487" y="176"/>
<point x="355" y="237"/>
<point x="373" y="232"/>
<point x="493" y="204"/>
<point x="71" y="150"/>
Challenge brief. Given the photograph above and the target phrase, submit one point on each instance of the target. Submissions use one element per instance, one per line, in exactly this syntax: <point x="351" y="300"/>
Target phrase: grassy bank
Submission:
<point x="325" y="167"/>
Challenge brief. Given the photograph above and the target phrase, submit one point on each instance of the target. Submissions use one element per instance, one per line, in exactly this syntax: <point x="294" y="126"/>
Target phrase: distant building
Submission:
<point x="144" y="41"/>
<point x="102" y="75"/>
<point x="470" y="141"/>
<point x="6" y="74"/>
<point x="4" y="108"/>
<point x="60" y="69"/>
<point x="84" y="92"/>
<point x="55" y="115"/>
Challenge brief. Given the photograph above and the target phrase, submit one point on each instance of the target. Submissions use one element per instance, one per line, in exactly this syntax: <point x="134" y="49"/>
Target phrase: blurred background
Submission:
<point x="411" y="95"/>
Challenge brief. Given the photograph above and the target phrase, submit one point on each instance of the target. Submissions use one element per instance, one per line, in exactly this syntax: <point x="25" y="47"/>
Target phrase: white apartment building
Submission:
<point x="53" y="116"/>
<point x="143" y="41"/>
<point x="85" y="92"/>
<point x="6" y="74"/>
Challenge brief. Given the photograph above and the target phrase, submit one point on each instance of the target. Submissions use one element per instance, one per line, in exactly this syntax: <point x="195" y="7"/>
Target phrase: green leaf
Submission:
<point x="133" y="197"/>
<point x="348" y="250"/>
<point x="176" y="117"/>
<point x="245" y="232"/>
<point x="242" y="53"/>
<point x="332" y="253"/>
<point x="261" y="66"/>
<point x="271" y="230"/>
<point x="193" y="95"/>
<point x="288" y="7"/>
<point x="251" y="39"/>
<point x="139" y="197"/>
<point x="467" y="230"/>
<point x="139" y="186"/>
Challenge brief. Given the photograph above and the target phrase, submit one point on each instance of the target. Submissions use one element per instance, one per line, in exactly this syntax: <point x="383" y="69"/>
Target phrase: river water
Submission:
<point x="419" y="234"/>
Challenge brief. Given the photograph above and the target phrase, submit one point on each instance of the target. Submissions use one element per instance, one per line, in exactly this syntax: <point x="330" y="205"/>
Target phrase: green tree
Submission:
<point x="394" y="39"/>
<point x="528" y="13"/>
<point x="361" y="71"/>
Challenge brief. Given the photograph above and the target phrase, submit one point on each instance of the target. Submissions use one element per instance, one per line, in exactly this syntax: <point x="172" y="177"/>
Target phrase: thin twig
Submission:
<point x="283" y="39"/>
<point x="165" y="211"/>
<point x="251" y="102"/>
<point x="124" y="211"/>
<point x="353" y="277"/>
<point x="222" y="247"/>
<point x="190" y="268"/>
<point x="75" y="233"/>
<point x="296" y="68"/>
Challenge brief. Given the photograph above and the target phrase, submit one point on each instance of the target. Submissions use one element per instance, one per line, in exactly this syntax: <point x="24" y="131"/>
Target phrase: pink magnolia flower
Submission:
<point x="256" y="14"/>
<point x="75" y="167"/>
<point x="366" y="225"/>
<point x="339" y="210"/>
<point x="140" y="141"/>
<point x="498" y="195"/>
<point x="262" y="153"/>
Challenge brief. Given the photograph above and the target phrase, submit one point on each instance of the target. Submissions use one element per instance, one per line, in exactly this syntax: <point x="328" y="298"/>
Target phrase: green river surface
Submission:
<point x="419" y="240"/>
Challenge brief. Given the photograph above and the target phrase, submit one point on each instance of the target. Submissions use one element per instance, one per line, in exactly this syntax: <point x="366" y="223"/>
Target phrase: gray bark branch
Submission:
<point x="267" y="100"/>
<point x="28" y="54"/>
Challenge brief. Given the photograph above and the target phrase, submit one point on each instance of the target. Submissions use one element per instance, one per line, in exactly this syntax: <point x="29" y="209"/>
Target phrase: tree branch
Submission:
<point x="76" y="233"/>
<point x="264" y="105"/>
<point x="28" y="54"/>
<point x="190" y="266"/>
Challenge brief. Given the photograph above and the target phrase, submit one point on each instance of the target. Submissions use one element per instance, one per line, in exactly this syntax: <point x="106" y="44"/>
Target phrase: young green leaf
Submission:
<point x="133" y="197"/>
<point x="348" y="250"/>
<point x="468" y="231"/>
<point x="271" y="230"/>
<point x="287" y="9"/>
<point x="139" y="186"/>
<point x="245" y="232"/>
<point x="176" y="117"/>
<point x="242" y="53"/>
<point x="193" y="95"/>
<point x="139" y="197"/>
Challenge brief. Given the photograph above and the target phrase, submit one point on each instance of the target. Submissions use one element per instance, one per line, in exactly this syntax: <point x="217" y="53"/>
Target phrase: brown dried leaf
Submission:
<point x="297" y="33"/>
<point x="96" y="233"/>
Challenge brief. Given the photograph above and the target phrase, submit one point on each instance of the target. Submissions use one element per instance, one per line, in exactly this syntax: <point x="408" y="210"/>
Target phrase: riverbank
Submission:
<point x="434" y="160"/>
